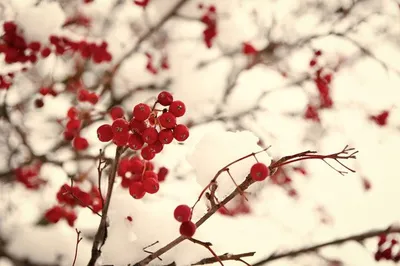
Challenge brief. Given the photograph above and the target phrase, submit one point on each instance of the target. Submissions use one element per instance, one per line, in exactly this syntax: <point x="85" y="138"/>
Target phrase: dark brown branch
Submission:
<point x="78" y="240"/>
<point x="358" y="238"/>
<point x="224" y="257"/>
<point x="101" y="233"/>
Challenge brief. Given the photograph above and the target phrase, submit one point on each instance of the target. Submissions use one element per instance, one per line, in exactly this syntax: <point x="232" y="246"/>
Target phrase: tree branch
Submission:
<point x="301" y="251"/>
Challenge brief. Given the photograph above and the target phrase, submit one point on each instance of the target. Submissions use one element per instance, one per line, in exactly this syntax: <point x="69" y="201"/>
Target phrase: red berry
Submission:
<point x="136" y="190"/>
<point x="105" y="133"/>
<point x="187" y="229"/>
<point x="135" y="142"/>
<point x="120" y="126"/>
<point x="182" y="213"/>
<point x="157" y="146"/>
<point x="72" y="113"/>
<point x="73" y="125"/>
<point x="150" y="174"/>
<point x="34" y="46"/>
<point x="150" y="135"/>
<point x="93" y="98"/>
<point x="68" y="135"/>
<point x="181" y="132"/>
<point x="177" y="108"/>
<point x="259" y="172"/>
<point x="141" y="112"/>
<point x="147" y="153"/>
<point x="165" y="98"/>
<point x="166" y="136"/>
<point x="70" y="216"/>
<point x="151" y="185"/>
<point x="45" y="52"/>
<point x="136" y="166"/>
<point x="137" y="126"/>
<point x="121" y="139"/>
<point x="248" y="49"/>
<point x="318" y="53"/>
<point x="80" y="143"/>
<point x="313" y="62"/>
<point x="167" y="120"/>
<point x="9" y="27"/>
<point x="116" y="112"/>
<point x="162" y="174"/>
<point x="54" y="214"/>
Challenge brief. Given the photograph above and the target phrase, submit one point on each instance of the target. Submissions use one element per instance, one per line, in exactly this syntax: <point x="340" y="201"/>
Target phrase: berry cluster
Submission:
<point x="183" y="214"/>
<point x="69" y="197"/>
<point x="29" y="176"/>
<point x="149" y="129"/>
<point x="87" y="50"/>
<point x="241" y="207"/>
<point x="15" y="47"/>
<point x="72" y="130"/>
<point x="54" y="214"/>
<point x="138" y="175"/>
<point x="281" y="178"/>
<point x="385" y="249"/>
<point x="87" y="96"/>
<point x="210" y="20"/>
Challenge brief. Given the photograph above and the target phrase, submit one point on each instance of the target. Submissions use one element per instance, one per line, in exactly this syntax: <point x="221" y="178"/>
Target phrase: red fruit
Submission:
<point x="181" y="132"/>
<point x="121" y="139"/>
<point x="137" y="126"/>
<point x="162" y="173"/>
<point x="34" y="46"/>
<point x="72" y="113"/>
<point x="80" y="143"/>
<point x="165" y="98"/>
<point x="73" y="125"/>
<point x="45" y="52"/>
<point x="167" y="120"/>
<point x="177" y="108"/>
<point x="136" y="190"/>
<point x="136" y="166"/>
<point x="126" y="182"/>
<point x="141" y="112"/>
<point x="70" y="216"/>
<point x="150" y="174"/>
<point x="105" y="133"/>
<point x="259" y="172"/>
<point x="187" y="229"/>
<point x="116" y="112"/>
<point x="248" y="49"/>
<point x="135" y="142"/>
<point x="93" y="98"/>
<point x="182" y="213"/>
<point x="150" y="135"/>
<point x="147" y="153"/>
<point x="313" y="62"/>
<point x="318" y="53"/>
<point x="9" y="27"/>
<point x="157" y="146"/>
<point x="151" y="185"/>
<point x="166" y="136"/>
<point x="54" y="214"/>
<point x="120" y="126"/>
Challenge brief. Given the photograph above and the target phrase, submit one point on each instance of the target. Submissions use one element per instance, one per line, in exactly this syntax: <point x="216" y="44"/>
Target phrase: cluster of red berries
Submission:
<point x="139" y="176"/>
<point x="56" y="213"/>
<point x="72" y="130"/>
<point x="210" y="20"/>
<point x="241" y="207"/>
<point x="381" y="118"/>
<point x="150" y="64"/>
<point x="29" y="176"/>
<point x="183" y="214"/>
<point x="87" y="96"/>
<point x="44" y="91"/>
<point x="149" y="129"/>
<point x="385" y="249"/>
<point x="69" y="197"/>
<point x="281" y="178"/>
<point x="322" y="82"/>
<point x="87" y="50"/>
<point x="15" y="47"/>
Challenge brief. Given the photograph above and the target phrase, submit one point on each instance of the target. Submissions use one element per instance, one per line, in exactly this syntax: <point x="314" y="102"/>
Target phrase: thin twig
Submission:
<point x="78" y="240"/>
<point x="224" y="257"/>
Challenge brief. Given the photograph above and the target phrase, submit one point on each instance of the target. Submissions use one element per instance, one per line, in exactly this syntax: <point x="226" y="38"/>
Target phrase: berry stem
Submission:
<point x="101" y="233"/>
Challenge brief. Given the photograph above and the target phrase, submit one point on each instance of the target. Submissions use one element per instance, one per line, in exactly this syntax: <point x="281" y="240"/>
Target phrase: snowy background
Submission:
<point x="265" y="94"/>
